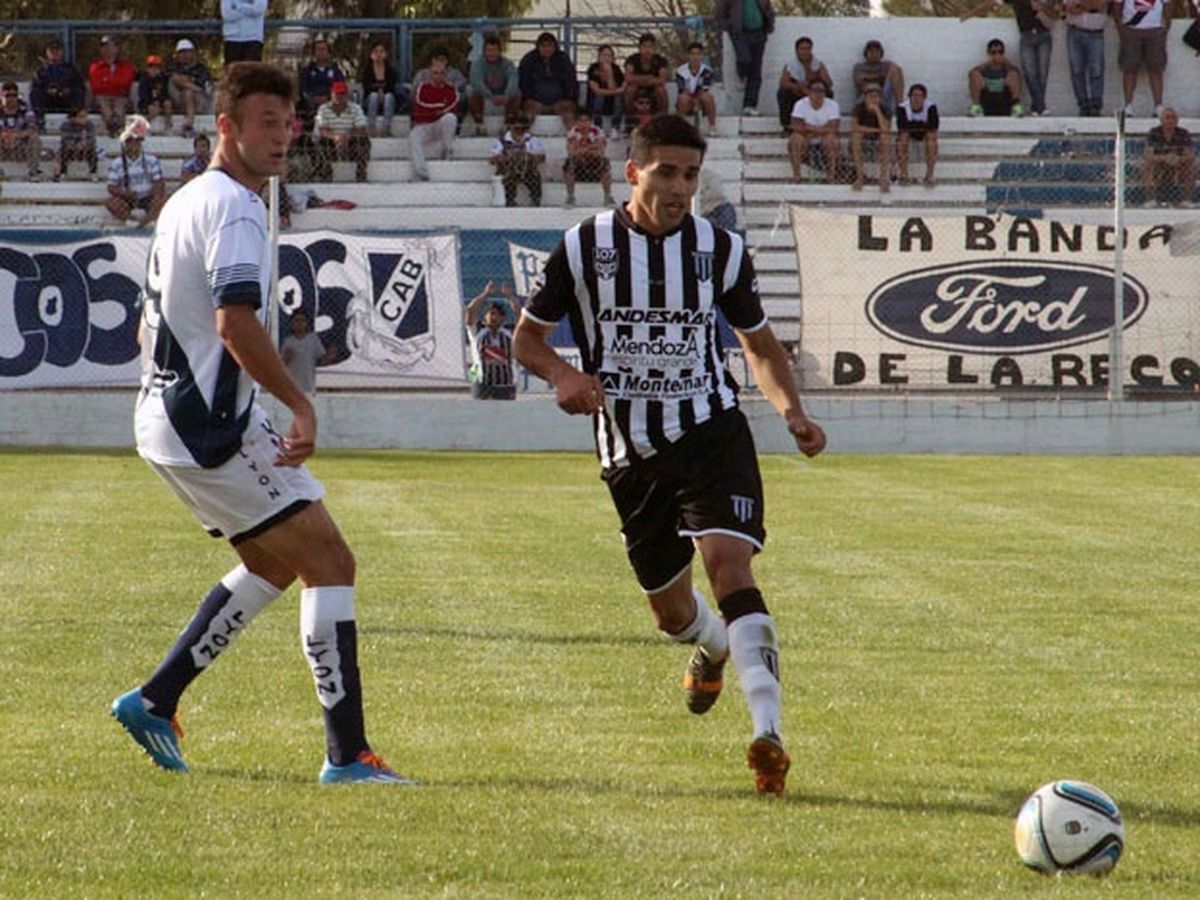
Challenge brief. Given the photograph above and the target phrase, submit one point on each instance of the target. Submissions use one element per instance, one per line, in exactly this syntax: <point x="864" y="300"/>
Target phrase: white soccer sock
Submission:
<point x="321" y="608"/>
<point x="706" y="631"/>
<point x="755" y="652"/>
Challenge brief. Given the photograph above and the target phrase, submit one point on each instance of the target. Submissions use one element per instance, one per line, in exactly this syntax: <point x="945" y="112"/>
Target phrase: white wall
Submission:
<point x="939" y="53"/>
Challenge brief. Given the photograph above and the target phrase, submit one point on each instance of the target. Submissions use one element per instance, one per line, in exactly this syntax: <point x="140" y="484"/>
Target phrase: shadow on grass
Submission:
<point x="259" y="775"/>
<point x="518" y="635"/>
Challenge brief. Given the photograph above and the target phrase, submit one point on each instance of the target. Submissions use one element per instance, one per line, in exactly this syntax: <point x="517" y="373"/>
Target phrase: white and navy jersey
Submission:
<point x="494" y="350"/>
<point x="642" y="310"/>
<point x="210" y="249"/>
<point x="690" y="82"/>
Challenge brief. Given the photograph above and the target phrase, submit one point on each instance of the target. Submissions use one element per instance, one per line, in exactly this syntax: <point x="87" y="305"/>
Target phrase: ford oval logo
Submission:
<point x="1002" y="306"/>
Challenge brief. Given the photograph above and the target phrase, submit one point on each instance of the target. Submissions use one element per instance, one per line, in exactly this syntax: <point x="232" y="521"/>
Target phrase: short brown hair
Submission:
<point x="664" y="131"/>
<point x="242" y="79"/>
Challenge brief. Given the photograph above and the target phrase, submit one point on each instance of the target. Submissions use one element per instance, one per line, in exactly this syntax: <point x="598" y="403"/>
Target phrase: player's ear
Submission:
<point x="632" y="173"/>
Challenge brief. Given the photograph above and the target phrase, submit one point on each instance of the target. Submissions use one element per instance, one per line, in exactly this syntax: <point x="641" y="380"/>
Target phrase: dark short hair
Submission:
<point x="582" y="111"/>
<point x="995" y="43"/>
<point x="918" y="87"/>
<point x="665" y="131"/>
<point x="546" y="37"/>
<point x="872" y="43"/>
<point x="604" y="47"/>
<point x="647" y="38"/>
<point x="201" y="137"/>
<point x="439" y="53"/>
<point x="8" y="86"/>
<point x="243" y="79"/>
<point x="695" y="45"/>
<point x="804" y="39"/>
<point x="491" y="40"/>
<point x="498" y="307"/>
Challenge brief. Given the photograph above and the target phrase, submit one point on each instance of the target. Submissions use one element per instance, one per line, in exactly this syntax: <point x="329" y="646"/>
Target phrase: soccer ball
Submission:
<point x="1070" y="826"/>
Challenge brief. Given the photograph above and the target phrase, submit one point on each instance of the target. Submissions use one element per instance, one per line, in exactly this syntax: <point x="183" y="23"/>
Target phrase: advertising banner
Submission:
<point x="989" y="302"/>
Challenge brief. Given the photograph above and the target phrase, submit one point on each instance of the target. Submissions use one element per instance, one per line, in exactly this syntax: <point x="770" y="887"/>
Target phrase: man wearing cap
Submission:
<point x="154" y="96"/>
<point x="189" y="86"/>
<point x="517" y="154"/>
<point x="242" y="27"/>
<point x="341" y="129"/>
<point x="871" y="127"/>
<point x="111" y="79"/>
<point x="57" y="87"/>
<point x="135" y="178"/>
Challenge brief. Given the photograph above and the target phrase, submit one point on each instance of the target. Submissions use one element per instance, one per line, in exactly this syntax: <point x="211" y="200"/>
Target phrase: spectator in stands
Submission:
<point x="196" y="163"/>
<point x="748" y="23"/>
<point x="135" y="178"/>
<point x="111" y="79"/>
<point x="871" y="134"/>
<point x="154" y="96"/>
<point x="190" y="85"/>
<point x="917" y="120"/>
<point x="995" y="84"/>
<point x="1035" y="20"/>
<point x="517" y="156"/>
<point x="884" y="73"/>
<point x="586" y="159"/>
<point x="815" y="124"/>
<point x="19" y="136"/>
<point x="646" y="72"/>
<point x="78" y="141"/>
<point x="243" y="26"/>
<point x="493" y="85"/>
<point x="302" y="352"/>
<point x="491" y="345"/>
<point x="1142" y="26"/>
<point x="1085" y="52"/>
<point x="713" y="203"/>
<point x="57" y="87"/>
<point x="317" y="78"/>
<point x="546" y="77"/>
<point x="379" y="80"/>
<point x="454" y="75"/>
<point x="434" y="118"/>
<point x="341" y="131"/>
<point x="797" y="74"/>
<point x="694" y="82"/>
<point x="640" y="113"/>
<point x="1169" y="164"/>
<point x="606" y="90"/>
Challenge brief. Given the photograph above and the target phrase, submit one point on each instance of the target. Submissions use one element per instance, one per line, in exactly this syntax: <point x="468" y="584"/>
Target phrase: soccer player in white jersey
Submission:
<point x="641" y="285"/>
<point x="205" y="352"/>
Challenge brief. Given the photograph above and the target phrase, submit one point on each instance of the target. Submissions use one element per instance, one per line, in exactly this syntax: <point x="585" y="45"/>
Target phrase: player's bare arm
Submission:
<point x="773" y="371"/>
<point x="245" y="338"/>
<point x="576" y="392"/>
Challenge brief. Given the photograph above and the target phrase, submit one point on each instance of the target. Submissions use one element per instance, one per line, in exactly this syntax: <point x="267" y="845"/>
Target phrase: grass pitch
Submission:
<point x="955" y="632"/>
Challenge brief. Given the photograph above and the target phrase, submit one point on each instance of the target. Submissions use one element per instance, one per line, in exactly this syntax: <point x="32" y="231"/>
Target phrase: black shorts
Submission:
<point x="706" y="483"/>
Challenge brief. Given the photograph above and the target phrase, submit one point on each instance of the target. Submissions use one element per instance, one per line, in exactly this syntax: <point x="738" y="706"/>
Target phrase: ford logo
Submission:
<point x="1003" y="306"/>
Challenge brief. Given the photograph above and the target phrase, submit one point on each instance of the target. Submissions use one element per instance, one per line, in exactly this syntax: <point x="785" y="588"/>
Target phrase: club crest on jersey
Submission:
<point x="702" y="264"/>
<point x="605" y="261"/>
<point x="743" y="507"/>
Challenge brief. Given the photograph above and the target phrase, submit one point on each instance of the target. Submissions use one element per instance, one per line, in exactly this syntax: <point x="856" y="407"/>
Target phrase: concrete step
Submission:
<point x="843" y="193"/>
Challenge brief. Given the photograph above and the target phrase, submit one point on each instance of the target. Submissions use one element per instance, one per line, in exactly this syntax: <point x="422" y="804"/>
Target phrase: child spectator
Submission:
<point x="491" y="345"/>
<point x="493" y="86"/>
<point x="433" y="117"/>
<point x="640" y="113"/>
<point x="154" y="98"/>
<point x="995" y="84"/>
<point x="917" y="120"/>
<point x="111" y="79"/>
<point x="646" y="72"/>
<point x="694" y="80"/>
<point x="189" y="85"/>
<point x="517" y="157"/>
<point x="196" y="163"/>
<point x="379" y="79"/>
<point x="586" y="160"/>
<point x="341" y="130"/>
<point x="57" y="87"/>
<point x="135" y="178"/>
<point x="78" y="141"/>
<point x="606" y="89"/>
<point x="19" y="138"/>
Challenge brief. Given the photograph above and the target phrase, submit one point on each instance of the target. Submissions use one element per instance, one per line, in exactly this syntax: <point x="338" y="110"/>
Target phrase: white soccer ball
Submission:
<point x="1070" y="826"/>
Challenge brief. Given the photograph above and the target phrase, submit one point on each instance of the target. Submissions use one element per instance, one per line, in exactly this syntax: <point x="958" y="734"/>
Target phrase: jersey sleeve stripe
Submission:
<point x="761" y="325"/>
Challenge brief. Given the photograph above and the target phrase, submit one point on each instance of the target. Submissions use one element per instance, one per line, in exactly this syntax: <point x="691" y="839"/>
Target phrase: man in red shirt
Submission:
<point x="111" y="79"/>
<point x="433" y="116"/>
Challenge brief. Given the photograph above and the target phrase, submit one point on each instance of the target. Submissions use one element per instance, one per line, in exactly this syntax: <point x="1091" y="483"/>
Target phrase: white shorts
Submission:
<point x="247" y="495"/>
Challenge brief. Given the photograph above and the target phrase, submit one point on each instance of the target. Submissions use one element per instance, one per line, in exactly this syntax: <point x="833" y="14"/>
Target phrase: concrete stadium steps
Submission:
<point x="900" y="195"/>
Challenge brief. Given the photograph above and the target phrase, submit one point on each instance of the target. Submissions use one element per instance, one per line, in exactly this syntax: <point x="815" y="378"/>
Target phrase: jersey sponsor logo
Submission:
<point x="606" y="262"/>
<point x="702" y="265"/>
<point x="627" y="315"/>
<point x="656" y="353"/>
<point x="632" y="386"/>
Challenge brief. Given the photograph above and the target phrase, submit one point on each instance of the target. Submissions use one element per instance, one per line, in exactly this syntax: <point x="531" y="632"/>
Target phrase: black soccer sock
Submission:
<point x="329" y="638"/>
<point x="229" y="607"/>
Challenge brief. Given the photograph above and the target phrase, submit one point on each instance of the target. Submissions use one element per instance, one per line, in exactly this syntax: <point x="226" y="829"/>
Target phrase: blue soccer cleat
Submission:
<point x="369" y="767"/>
<point x="159" y="737"/>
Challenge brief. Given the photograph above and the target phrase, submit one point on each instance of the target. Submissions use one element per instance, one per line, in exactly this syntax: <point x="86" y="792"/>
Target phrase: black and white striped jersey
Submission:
<point x="642" y="310"/>
<point x="494" y="352"/>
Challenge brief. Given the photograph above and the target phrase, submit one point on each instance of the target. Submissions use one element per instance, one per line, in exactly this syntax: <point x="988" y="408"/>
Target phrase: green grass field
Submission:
<point x="955" y="632"/>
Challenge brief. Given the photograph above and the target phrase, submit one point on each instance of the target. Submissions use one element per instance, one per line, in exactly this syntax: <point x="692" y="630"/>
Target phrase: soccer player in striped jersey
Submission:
<point x="200" y="428"/>
<point x="641" y="286"/>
